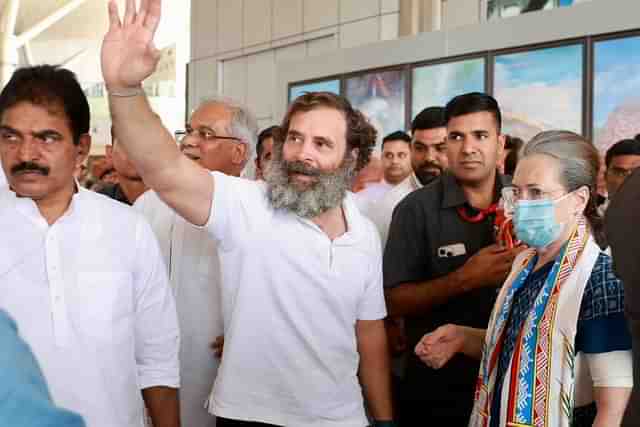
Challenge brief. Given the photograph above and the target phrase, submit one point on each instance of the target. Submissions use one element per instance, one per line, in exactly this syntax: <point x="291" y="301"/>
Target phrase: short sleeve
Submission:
<point x="602" y="326"/>
<point x="407" y="247"/>
<point x="372" y="305"/>
<point x="235" y="201"/>
<point x="613" y="369"/>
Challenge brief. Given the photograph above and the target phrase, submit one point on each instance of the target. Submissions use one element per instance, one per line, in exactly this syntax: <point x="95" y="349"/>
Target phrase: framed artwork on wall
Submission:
<point x="331" y="85"/>
<point x="540" y="89"/>
<point x="616" y="90"/>
<point x="380" y="95"/>
<point x="436" y="84"/>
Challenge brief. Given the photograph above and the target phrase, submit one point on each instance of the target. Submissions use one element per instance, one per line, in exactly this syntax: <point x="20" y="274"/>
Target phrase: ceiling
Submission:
<point x="78" y="34"/>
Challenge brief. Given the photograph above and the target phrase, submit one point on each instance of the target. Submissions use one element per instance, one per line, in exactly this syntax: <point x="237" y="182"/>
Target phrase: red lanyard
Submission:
<point x="480" y="216"/>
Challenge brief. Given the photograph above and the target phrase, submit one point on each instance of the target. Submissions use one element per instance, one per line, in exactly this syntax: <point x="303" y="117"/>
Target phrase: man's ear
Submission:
<point x="84" y="147"/>
<point x="240" y="153"/>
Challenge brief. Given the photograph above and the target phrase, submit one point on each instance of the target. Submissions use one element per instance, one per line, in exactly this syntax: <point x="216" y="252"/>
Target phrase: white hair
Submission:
<point x="243" y="123"/>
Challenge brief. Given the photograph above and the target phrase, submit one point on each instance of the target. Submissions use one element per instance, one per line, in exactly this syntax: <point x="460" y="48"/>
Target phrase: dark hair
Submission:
<point x="360" y="133"/>
<point x="397" y="136"/>
<point x="514" y="145"/>
<point x="49" y="86"/>
<point x="579" y="165"/>
<point x="429" y="118"/>
<point x="474" y="102"/>
<point x="626" y="147"/>
<point x="264" y="134"/>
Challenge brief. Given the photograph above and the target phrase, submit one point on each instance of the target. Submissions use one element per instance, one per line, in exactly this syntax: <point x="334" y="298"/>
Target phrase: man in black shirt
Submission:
<point x="441" y="264"/>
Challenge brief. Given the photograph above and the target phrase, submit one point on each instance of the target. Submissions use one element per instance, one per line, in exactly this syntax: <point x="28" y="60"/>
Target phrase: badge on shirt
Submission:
<point x="454" y="250"/>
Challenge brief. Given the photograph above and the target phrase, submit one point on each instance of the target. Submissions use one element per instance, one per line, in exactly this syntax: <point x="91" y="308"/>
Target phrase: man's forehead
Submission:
<point x="626" y="160"/>
<point x="211" y="115"/>
<point x="396" y="145"/>
<point x="430" y="136"/>
<point x="473" y="122"/>
<point x="38" y="118"/>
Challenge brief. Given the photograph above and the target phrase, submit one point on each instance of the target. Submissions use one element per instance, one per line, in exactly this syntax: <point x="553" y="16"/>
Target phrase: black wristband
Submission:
<point x="386" y="423"/>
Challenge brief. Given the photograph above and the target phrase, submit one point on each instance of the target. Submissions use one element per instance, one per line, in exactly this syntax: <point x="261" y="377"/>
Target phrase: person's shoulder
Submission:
<point x="427" y="197"/>
<point x="604" y="293"/>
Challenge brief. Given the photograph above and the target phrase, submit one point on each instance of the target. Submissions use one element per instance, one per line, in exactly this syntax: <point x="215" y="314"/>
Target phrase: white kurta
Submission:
<point x="194" y="273"/>
<point x="3" y="178"/>
<point x="380" y="212"/>
<point x="91" y="298"/>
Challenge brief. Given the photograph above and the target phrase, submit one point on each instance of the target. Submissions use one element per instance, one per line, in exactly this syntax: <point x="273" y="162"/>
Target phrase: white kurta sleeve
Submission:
<point x="157" y="334"/>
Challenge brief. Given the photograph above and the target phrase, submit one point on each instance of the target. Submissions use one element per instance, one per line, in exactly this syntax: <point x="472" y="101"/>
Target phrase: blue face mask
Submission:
<point x="535" y="222"/>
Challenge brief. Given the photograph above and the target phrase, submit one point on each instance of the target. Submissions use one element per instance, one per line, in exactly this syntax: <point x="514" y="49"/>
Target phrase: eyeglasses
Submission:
<point x="620" y="172"/>
<point x="203" y="134"/>
<point x="511" y="194"/>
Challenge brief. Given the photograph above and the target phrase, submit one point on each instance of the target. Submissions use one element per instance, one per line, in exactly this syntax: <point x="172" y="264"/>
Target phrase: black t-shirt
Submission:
<point x="428" y="239"/>
<point x="114" y="191"/>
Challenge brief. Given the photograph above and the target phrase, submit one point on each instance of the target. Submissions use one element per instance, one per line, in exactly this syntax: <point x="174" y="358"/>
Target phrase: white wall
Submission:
<point x="540" y="27"/>
<point x="237" y="44"/>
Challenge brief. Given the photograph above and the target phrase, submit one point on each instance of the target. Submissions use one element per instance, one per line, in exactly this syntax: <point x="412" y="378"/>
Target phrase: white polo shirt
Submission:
<point x="90" y="296"/>
<point x="291" y="300"/>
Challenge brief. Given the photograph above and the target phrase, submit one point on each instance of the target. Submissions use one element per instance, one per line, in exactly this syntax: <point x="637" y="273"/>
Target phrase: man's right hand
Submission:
<point x="488" y="267"/>
<point x="128" y="53"/>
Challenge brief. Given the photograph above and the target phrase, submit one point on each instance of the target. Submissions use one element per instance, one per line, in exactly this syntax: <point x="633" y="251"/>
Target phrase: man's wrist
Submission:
<point x="125" y="92"/>
<point x="460" y="281"/>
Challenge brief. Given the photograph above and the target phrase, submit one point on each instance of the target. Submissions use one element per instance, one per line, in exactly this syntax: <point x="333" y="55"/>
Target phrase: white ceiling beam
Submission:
<point x="47" y="22"/>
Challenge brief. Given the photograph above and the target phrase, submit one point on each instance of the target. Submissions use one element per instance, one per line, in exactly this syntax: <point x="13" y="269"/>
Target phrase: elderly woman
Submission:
<point x="556" y="352"/>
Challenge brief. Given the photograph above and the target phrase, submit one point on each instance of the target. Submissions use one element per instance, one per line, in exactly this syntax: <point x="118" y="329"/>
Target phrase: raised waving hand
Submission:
<point x="128" y="53"/>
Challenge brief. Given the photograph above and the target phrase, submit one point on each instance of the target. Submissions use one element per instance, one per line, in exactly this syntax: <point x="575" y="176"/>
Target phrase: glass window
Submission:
<point x="332" y="86"/>
<point x="381" y="97"/>
<point x="435" y="85"/>
<point x="616" y="91"/>
<point x="540" y="90"/>
<point x="507" y="8"/>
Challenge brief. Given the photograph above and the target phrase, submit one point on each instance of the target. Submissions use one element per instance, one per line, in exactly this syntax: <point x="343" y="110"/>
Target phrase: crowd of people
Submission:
<point x="459" y="277"/>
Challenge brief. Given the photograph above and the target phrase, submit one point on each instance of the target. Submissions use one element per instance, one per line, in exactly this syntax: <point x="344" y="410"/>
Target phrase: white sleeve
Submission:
<point x="157" y="335"/>
<point x="235" y="202"/>
<point x="612" y="369"/>
<point x="372" y="305"/>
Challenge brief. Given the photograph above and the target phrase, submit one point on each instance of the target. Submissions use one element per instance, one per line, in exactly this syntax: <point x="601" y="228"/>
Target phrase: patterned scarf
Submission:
<point x="538" y="387"/>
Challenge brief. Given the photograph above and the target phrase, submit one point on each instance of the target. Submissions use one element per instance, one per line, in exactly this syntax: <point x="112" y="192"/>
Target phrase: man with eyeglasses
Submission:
<point x="621" y="160"/>
<point x="220" y="137"/>
<point x="441" y="263"/>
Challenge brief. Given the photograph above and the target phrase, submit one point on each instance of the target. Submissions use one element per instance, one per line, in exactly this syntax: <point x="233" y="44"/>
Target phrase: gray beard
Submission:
<point x="326" y="193"/>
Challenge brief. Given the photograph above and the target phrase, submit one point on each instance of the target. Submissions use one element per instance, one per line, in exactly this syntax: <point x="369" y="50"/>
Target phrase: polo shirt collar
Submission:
<point x="454" y="196"/>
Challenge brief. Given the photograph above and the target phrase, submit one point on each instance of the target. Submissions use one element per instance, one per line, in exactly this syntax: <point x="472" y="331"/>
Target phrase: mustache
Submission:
<point x="29" y="167"/>
<point x="432" y="165"/>
<point x="301" y="168"/>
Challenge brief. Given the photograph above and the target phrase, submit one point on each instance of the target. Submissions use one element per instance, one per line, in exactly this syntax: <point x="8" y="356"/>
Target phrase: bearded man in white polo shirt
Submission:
<point x="80" y="273"/>
<point x="301" y="267"/>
